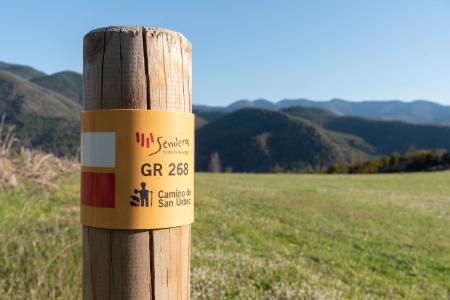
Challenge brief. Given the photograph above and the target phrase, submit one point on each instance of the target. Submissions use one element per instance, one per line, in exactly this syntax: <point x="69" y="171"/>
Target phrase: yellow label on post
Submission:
<point x="137" y="169"/>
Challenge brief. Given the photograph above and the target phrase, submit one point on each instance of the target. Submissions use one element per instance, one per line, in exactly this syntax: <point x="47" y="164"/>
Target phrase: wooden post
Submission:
<point x="140" y="68"/>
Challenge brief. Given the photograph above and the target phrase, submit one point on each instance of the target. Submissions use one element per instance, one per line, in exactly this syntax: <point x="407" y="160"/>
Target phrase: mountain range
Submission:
<point x="246" y="136"/>
<point x="417" y="112"/>
<point x="300" y="138"/>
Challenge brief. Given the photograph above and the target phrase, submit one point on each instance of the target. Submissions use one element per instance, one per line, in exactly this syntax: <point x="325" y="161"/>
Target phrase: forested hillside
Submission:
<point x="254" y="140"/>
<point x="43" y="118"/>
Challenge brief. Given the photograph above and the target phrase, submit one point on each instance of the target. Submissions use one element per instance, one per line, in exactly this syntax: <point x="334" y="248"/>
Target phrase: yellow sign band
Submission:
<point x="137" y="168"/>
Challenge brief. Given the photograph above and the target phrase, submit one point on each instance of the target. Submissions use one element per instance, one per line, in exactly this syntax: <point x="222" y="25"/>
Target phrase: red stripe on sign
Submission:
<point x="151" y="137"/>
<point x="142" y="140"/>
<point x="148" y="142"/>
<point x="137" y="137"/>
<point x="98" y="189"/>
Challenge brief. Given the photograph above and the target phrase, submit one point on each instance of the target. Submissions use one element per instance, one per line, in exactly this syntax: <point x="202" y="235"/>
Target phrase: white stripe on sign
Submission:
<point x="98" y="149"/>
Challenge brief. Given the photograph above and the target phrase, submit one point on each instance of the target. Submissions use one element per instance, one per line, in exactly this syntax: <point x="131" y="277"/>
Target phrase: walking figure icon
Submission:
<point x="141" y="197"/>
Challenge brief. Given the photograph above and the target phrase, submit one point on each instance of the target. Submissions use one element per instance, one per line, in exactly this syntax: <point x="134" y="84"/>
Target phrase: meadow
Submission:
<point x="267" y="236"/>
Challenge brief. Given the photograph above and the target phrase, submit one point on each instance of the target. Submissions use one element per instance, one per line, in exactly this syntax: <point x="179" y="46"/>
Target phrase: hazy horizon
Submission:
<point x="323" y="100"/>
<point x="197" y="102"/>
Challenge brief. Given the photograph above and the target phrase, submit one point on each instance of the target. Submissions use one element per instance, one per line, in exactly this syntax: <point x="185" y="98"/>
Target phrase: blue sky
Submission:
<point x="356" y="50"/>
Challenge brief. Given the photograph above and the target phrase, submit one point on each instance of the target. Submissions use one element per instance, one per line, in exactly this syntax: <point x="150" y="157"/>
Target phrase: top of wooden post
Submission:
<point x="149" y="29"/>
<point x="137" y="67"/>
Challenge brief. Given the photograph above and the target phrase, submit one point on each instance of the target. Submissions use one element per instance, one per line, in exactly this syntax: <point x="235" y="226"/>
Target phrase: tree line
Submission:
<point x="411" y="161"/>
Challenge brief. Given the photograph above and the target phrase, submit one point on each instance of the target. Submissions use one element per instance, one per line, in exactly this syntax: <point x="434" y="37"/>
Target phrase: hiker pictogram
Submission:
<point x="141" y="197"/>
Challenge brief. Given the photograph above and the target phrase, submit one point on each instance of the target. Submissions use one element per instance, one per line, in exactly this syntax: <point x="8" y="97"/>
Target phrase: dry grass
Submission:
<point x="19" y="165"/>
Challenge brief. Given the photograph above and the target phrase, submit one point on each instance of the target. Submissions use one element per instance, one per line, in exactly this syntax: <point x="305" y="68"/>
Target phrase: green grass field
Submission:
<point x="260" y="237"/>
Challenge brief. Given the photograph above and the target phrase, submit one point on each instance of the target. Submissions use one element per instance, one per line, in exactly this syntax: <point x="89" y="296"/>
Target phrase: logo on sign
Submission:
<point x="169" y="145"/>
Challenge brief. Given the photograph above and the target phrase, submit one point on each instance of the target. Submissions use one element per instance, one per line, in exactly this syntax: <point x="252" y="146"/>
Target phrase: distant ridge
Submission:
<point x="67" y="83"/>
<point x="417" y="112"/>
<point x="25" y="72"/>
<point x="20" y="96"/>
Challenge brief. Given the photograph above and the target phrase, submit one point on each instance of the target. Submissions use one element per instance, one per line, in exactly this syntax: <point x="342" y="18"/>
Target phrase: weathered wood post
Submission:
<point x="150" y="69"/>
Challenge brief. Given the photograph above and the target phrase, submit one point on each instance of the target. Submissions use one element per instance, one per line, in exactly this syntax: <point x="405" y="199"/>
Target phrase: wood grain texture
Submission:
<point x="140" y="68"/>
<point x="111" y="85"/>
